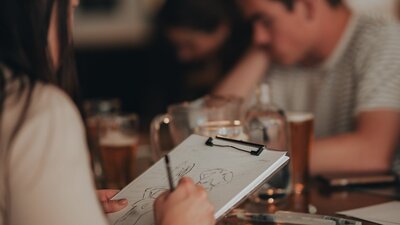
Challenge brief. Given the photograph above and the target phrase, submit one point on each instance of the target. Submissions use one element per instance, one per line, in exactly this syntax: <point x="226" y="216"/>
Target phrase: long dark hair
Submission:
<point x="207" y="16"/>
<point x="24" y="28"/>
<point x="204" y="16"/>
<point x="24" y="51"/>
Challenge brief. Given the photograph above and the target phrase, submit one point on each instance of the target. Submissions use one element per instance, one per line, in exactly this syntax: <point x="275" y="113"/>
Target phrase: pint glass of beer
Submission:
<point x="96" y="109"/>
<point x="301" y="131"/>
<point x="118" y="139"/>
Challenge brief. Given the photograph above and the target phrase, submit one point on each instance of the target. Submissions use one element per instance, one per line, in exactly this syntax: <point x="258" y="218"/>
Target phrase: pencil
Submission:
<point x="171" y="181"/>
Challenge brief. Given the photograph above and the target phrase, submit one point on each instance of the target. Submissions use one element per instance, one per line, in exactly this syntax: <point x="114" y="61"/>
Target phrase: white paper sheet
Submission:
<point x="228" y="176"/>
<point x="386" y="214"/>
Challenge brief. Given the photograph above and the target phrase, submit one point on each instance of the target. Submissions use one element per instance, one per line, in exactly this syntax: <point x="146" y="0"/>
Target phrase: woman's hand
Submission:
<point x="188" y="204"/>
<point x="110" y="206"/>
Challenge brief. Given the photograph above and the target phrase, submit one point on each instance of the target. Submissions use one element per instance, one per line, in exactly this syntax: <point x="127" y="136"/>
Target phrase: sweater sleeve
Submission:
<point x="50" y="176"/>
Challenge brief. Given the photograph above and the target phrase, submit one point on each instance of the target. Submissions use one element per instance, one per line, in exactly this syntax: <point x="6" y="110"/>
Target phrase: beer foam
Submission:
<point x="118" y="139"/>
<point x="297" y="117"/>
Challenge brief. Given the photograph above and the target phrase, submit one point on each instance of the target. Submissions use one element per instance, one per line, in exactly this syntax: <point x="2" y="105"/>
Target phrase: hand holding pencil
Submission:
<point x="186" y="204"/>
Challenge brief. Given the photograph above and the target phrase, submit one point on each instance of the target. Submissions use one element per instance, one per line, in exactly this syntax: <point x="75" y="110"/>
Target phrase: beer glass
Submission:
<point x="301" y="131"/>
<point x="96" y="109"/>
<point x="266" y="123"/>
<point x="185" y="118"/>
<point x="225" y="128"/>
<point x="118" y="139"/>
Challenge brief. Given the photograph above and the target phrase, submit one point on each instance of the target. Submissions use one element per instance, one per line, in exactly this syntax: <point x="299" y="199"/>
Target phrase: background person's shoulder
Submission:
<point x="374" y="28"/>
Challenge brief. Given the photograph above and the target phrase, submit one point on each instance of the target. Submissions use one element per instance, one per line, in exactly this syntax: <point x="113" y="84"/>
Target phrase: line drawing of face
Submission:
<point x="213" y="178"/>
<point x="142" y="209"/>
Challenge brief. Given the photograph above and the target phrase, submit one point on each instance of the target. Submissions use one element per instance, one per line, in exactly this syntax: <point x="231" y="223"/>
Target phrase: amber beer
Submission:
<point x="301" y="130"/>
<point x="118" y="140"/>
<point x="118" y="153"/>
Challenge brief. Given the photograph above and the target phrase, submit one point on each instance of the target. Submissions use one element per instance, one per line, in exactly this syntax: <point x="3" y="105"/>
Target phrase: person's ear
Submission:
<point x="306" y="8"/>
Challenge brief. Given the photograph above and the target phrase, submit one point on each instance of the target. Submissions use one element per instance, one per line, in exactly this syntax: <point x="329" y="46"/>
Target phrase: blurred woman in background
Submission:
<point x="45" y="176"/>
<point x="196" y="44"/>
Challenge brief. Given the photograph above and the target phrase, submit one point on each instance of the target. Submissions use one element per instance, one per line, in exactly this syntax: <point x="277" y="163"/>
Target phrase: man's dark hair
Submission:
<point x="289" y="3"/>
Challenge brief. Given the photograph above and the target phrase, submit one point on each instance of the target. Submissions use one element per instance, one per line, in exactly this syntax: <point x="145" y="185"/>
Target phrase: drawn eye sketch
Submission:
<point x="142" y="209"/>
<point x="183" y="169"/>
<point x="215" y="177"/>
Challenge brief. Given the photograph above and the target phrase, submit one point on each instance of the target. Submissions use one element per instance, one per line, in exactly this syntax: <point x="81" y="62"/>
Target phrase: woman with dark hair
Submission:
<point x="197" y="44"/>
<point x="45" y="176"/>
<point x="204" y="29"/>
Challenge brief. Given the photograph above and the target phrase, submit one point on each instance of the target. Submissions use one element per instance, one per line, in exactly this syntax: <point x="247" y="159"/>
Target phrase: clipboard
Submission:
<point x="232" y="143"/>
<point x="230" y="170"/>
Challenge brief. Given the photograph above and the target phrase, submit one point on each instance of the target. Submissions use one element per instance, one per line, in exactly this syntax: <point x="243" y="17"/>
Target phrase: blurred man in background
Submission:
<point x="342" y="67"/>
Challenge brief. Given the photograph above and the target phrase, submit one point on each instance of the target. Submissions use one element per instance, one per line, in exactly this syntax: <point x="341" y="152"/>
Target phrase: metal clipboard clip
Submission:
<point x="258" y="148"/>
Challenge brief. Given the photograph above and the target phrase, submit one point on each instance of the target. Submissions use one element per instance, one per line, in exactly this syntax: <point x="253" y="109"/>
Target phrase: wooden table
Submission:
<point x="325" y="200"/>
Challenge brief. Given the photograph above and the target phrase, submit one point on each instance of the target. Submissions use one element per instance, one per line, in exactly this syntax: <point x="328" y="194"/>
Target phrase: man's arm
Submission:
<point x="245" y="75"/>
<point x="368" y="149"/>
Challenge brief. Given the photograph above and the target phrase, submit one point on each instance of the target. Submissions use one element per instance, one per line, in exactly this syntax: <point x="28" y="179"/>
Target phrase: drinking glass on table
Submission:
<point x="95" y="109"/>
<point x="295" y="175"/>
<point x="118" y="140"/>
<point x="266" y="123"/>
<point x="203" y="116"/>
<point x="225" y="128"/>
<point x="301" y="131"/>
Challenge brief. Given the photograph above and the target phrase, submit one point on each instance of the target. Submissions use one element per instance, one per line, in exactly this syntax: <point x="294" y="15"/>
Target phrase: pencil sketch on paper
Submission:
<point x="183" y="169"/>
<point x="215" y="177"/>
<point x="142" y="208"/>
